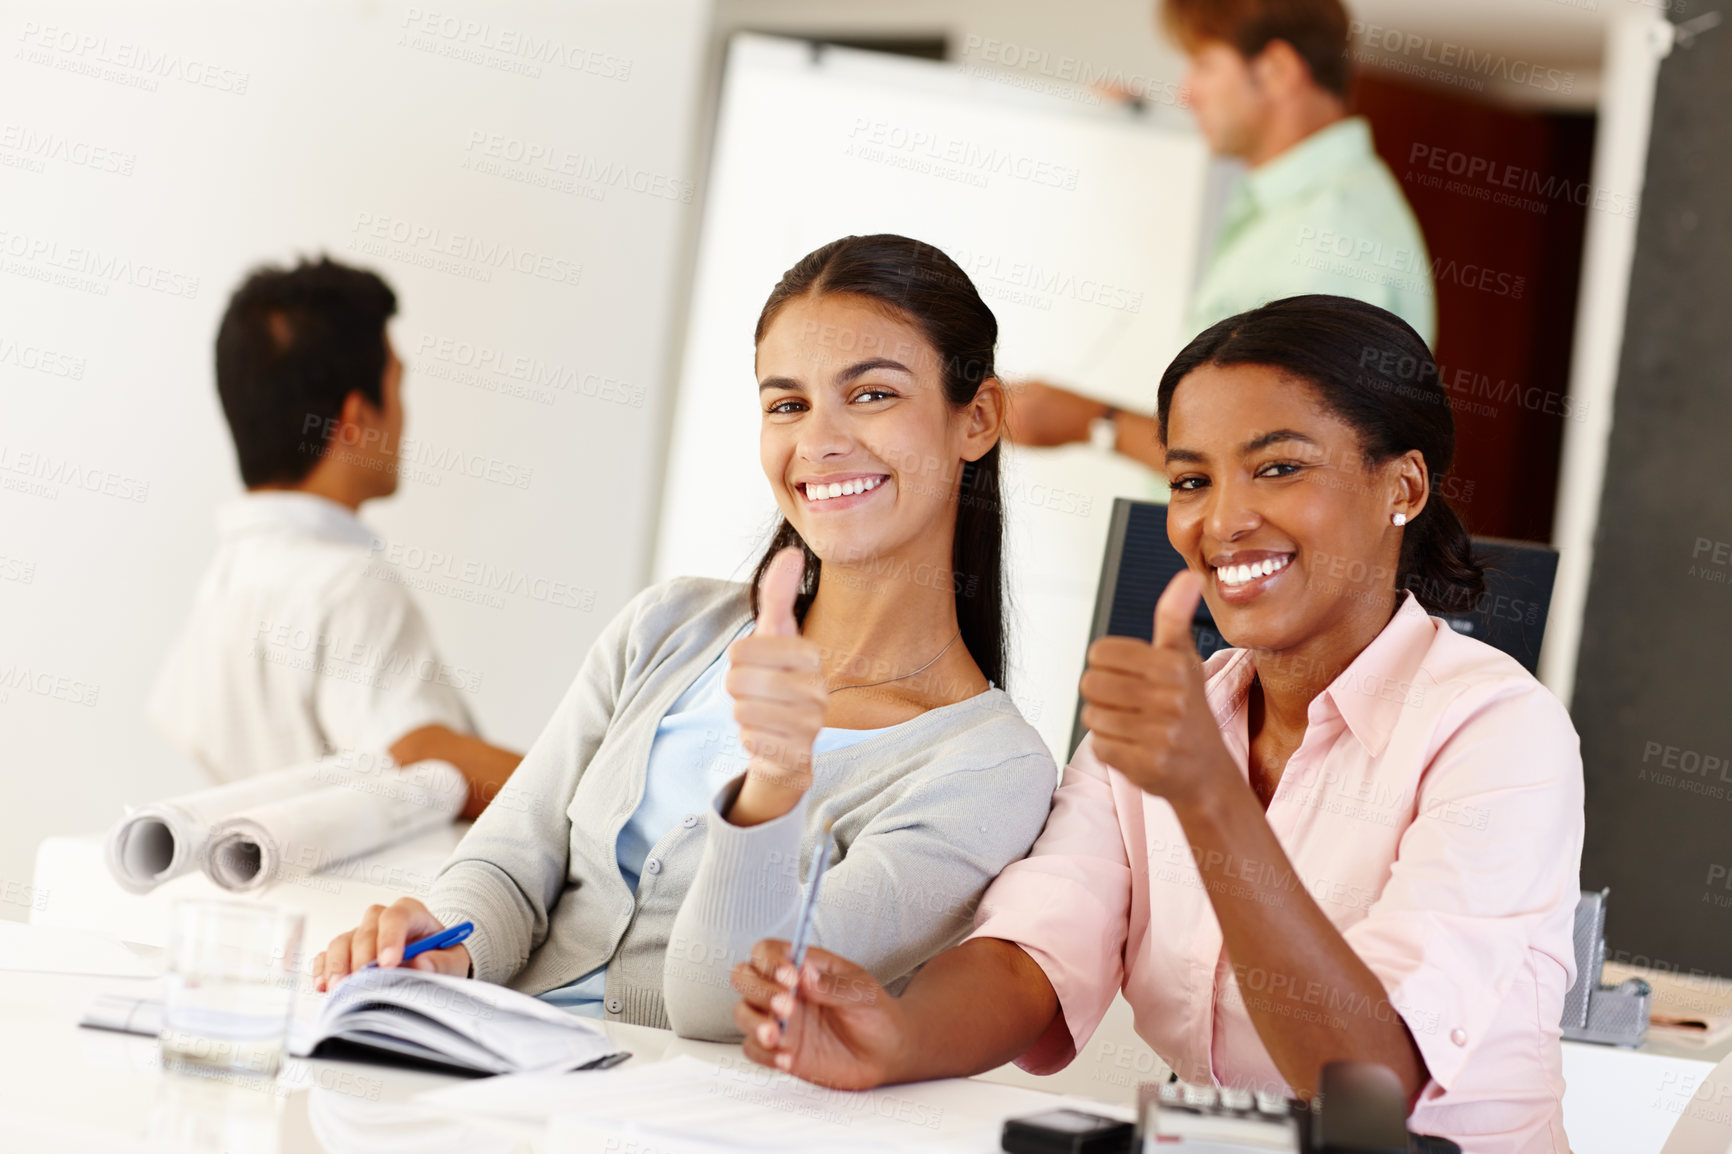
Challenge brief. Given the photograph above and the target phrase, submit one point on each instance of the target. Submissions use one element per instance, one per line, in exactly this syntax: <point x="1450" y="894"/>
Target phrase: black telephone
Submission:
<point x="1359" y="1110"/>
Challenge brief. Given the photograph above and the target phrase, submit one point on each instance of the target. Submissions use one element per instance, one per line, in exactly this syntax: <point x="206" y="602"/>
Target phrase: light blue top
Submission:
<point x="696" y="751"/>
<point x="1325" y="216"/>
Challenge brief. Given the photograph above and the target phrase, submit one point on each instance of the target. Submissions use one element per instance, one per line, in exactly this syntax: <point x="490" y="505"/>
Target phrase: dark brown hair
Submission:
<point x="919" y="284"/>
<point x="1368" y="367"/>
<point x="1316" y="29"/>
<point x="293" y="344"/>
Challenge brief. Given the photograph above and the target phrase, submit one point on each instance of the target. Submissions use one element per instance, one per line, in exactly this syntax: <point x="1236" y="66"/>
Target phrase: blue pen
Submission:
<point x="438" y="941"/>
<point x="808" y="908"/>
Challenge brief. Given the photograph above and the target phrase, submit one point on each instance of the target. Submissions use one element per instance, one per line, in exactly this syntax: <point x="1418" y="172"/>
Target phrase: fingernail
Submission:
<point x="784" y="1061"/>
<point x="782" y="1004"/>
<point x="766" y="1033"/>
<point x="390" y="956"/>
<point x="787" y="975"/>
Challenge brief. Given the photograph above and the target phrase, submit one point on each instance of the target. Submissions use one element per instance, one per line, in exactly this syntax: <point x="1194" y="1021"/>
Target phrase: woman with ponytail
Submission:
<point x="1357" y="835"/>
<point x="719" y="731"/>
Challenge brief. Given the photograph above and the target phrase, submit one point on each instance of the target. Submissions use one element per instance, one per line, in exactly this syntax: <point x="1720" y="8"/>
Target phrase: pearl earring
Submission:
<point x="1400" y="519"/>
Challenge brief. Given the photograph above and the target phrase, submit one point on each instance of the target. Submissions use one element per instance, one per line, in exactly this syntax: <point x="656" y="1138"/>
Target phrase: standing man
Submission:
<point x="1318" y="212"/>
<point x="302" y="642"/>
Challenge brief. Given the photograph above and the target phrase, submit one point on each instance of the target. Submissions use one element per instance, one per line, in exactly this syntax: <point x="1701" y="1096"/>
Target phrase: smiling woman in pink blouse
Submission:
<point x="1357" y="835"/>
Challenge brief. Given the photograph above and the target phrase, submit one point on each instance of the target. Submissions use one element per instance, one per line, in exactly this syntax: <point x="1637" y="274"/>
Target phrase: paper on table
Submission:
<point x="743" y="1106"/>
<point x="353" y="1123"/>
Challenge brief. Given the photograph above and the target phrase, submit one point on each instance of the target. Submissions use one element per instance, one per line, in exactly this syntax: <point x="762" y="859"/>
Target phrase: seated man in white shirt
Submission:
<point x="302" y="641"/>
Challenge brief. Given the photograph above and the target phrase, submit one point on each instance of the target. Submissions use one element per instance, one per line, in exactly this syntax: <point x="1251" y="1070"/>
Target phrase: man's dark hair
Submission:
<point x="294" y="343"/>
<point x="1316" y="29"/>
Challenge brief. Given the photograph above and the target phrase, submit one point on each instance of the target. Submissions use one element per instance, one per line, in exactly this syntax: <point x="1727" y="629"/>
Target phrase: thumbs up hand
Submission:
<point x="1144" y="704"/>
<point x="776" y="681"/>
<point x="777" y="593"/>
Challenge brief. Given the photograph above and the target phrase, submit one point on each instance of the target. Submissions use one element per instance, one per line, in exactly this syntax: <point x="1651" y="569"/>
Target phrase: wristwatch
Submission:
<point x="1104" y="430"/>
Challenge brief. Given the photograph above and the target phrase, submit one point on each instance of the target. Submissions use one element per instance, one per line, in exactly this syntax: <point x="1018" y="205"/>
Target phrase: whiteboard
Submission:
<point x="1078" y="225"/>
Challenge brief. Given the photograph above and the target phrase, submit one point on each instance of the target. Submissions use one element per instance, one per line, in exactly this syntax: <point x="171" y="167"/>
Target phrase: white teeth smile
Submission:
<point x="1236" y="575"/>
<point x="820" y="492"/>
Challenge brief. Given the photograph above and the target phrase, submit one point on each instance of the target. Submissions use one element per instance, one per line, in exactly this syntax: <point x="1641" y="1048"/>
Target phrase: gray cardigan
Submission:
<point x="926" y="814"/>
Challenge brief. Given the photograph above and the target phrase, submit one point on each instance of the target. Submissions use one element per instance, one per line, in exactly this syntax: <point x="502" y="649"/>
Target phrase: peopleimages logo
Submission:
<point x="1450" y="57"/>
<point x="43" y="683"/>
<point x="1366" y="259"/>
<point x="967" y="156"/>
<point x="138" y="65"/>
<point x="469" y="255"/>
<point x="1042" y="283"/>
<point x="47" y="255"/>
<point x="51" y="472"/>
<point x="502" y="370"/>
<point x="44" y="146"/>
<point x="556" y="160"/>
<point x="519" y="49"/>
<point x="437" y="459"/>
<point x="1503" y="183"/>
<point x="415" y="566"/>
<point x="38" y="359"/>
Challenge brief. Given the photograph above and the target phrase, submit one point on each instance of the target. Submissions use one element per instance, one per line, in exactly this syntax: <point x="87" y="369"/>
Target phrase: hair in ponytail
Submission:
<point x="1372" y="370"/>
<point x="921" y="285"/>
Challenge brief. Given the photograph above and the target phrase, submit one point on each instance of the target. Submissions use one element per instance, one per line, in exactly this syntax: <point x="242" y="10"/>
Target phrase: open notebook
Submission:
<point x="473" y="1026"/>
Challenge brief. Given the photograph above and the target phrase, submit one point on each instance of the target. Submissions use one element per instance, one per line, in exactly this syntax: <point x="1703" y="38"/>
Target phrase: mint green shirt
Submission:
<point x="1326" y="216"/>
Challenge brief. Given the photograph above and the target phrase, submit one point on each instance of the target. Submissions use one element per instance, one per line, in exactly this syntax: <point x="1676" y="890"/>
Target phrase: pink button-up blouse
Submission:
<point x="1433" y="810"/>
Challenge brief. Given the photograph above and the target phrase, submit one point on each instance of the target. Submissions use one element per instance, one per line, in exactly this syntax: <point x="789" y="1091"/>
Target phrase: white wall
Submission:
<point x="147" y="161"/>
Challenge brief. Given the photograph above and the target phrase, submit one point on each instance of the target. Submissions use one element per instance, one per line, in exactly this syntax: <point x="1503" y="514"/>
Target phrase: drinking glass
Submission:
<point x="232" y="971"/>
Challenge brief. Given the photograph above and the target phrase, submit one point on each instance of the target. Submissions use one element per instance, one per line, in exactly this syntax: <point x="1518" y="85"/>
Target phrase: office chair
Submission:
<point x="1139" y="562"/>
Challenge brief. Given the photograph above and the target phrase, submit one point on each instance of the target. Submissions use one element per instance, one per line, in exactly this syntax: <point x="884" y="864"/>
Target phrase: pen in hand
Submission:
<point x="808" y="908"/>
<point x="439" y="941"/>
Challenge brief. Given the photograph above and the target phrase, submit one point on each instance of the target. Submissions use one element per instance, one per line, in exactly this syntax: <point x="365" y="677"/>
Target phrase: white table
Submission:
<point x="73" y="1090"/>
<point x="63" y="1088"/>
<point x="1616" y="1101"/>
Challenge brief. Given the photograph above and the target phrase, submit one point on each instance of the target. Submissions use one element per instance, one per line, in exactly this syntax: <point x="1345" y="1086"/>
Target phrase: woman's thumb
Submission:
<point x="777" y="591"/>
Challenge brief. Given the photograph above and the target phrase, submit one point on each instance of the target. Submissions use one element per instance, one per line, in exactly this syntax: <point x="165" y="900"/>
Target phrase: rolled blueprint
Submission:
<point x="155" y="843"/>
<point x="350" y="812"/>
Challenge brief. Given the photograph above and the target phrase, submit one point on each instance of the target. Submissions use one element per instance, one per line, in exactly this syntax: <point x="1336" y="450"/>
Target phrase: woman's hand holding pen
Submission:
<point x="843" y="1030"/>
<point x="776" y="681"/>
<point x="1145" y="706"/>
<point x="382" y="935"/>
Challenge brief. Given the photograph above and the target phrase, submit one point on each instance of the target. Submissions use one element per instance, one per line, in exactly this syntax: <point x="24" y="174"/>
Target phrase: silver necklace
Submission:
<point x="900" y="676"/>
